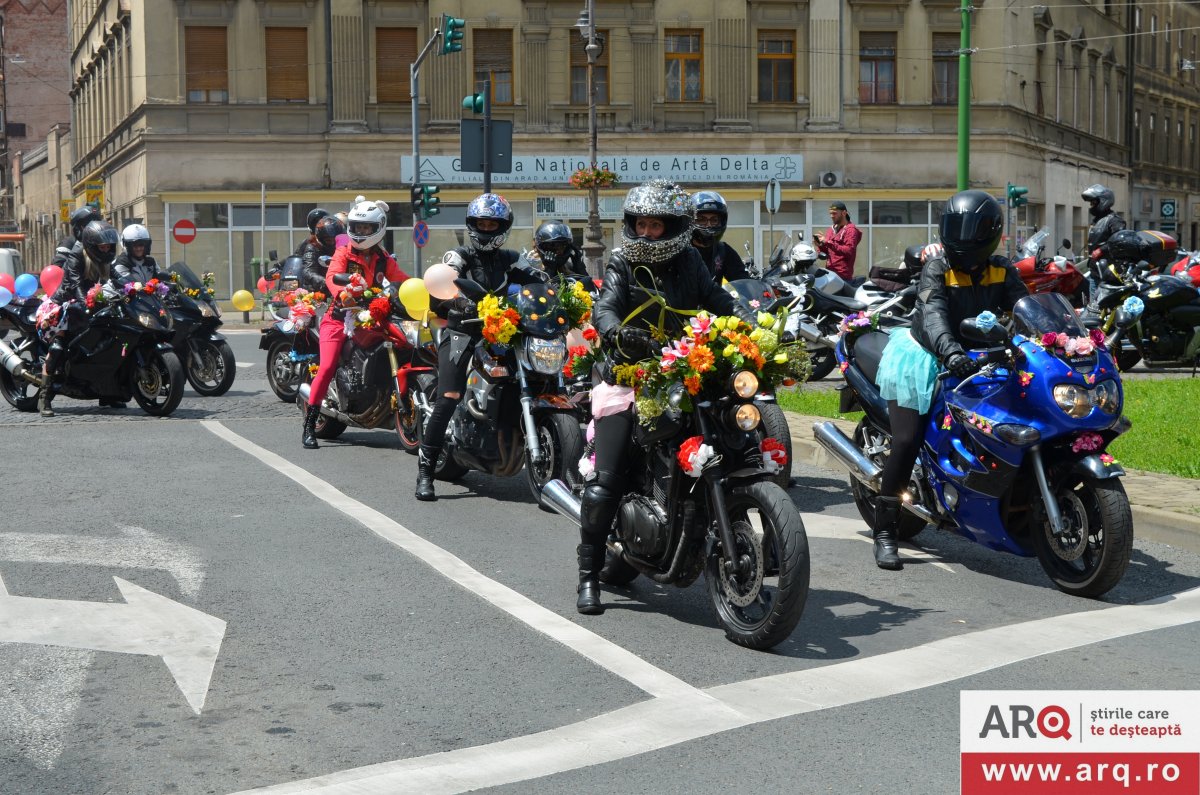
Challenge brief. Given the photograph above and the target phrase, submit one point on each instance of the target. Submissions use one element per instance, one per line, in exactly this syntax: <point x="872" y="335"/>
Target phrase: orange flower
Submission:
<point x="700" y="359"/>
<point x="692" y="382"/>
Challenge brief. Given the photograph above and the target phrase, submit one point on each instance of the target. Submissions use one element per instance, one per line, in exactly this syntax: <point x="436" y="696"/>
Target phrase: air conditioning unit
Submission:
<point x="44" y="219"/>
<point x="831" y="179"/>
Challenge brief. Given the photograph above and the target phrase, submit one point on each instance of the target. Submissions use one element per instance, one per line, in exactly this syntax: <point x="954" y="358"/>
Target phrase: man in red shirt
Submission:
<point x="840" y="241"/>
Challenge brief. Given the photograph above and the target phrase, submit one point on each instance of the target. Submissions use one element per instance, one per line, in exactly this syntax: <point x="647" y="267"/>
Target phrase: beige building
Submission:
<point x="196" y="109"/>
<point x="43" y="195"/>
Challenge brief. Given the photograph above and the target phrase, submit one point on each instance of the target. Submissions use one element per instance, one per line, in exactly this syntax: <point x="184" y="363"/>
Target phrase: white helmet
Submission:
<point x="136" y="233"/>
<point x="366" y="224"/>
<point x="803" y="256"/>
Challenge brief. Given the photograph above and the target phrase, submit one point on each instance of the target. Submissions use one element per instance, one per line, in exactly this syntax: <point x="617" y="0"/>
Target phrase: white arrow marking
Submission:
<point x="135" y="548"/>
<point x="187" y="640"/>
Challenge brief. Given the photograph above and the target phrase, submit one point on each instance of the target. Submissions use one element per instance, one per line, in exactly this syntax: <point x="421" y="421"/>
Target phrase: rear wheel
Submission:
<point x="876" y="445"/>
<point x="210" y="367"/>
<point x="775" y="425"/>
<point x="823" y="362"/>
<point x="281" y="371"/>
<point x="1092" y="553"/>
<point x="446" y="467"/>
<point x="408" y="415"/>
<point x="22" y="395"/>
<point x="325" y="427"/>
<point x="158" y="383"/>
<point x="561" y="442"/>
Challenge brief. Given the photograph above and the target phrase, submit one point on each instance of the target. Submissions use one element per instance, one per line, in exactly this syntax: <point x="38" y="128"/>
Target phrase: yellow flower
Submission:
<point x="781" y="358"/>
<point x="766" y="320"/>
<point x="756" y="335"/>
<point x="730" y="351"/>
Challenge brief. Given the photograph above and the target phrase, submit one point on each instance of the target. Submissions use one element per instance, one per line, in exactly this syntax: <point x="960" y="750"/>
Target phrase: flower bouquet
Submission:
<point x="1068" y="347"/>
<point x="373" y="309"/>
<point x="576" y="302"/>
<point x="152" y="287"/>
<point x="499" y="319"/>
<point x="582" y="358"/>
<point x="588" y="177"/>
<point x="206" y="291"/>
<point x="95" y="297"/>
<point x="303" y="306"/>
<point x="858" y="323"/>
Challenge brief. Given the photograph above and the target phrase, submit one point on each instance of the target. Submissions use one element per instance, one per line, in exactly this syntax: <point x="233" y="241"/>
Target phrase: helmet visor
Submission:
<point x="966" y="229"/>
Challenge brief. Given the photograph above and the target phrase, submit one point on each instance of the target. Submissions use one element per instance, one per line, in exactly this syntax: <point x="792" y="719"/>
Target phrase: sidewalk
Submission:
<point x="1165" y="508"/>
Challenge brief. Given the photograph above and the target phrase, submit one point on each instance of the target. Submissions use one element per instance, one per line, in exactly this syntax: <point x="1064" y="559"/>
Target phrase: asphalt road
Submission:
<point x="367" y="643"/>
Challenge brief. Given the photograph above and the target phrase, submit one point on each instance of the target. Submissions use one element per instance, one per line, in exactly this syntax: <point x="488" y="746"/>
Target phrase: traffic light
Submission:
<point x="417" y="194"/>
<point x="452" y="34"/>
<point x="429" y="200"/>
<point x="1016" y="195"/>
<point x="473" y="103"/>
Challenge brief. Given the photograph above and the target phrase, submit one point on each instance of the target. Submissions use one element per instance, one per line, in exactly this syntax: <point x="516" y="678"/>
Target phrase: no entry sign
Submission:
<point x="184" y="232"/>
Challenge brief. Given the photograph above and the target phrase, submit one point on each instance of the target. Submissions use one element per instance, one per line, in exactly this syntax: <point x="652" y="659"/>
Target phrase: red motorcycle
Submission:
<point x="1188" y="267"/>
<point x="1056" y="274"/>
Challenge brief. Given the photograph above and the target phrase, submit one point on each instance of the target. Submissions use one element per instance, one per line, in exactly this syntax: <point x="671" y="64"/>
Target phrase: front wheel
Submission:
<point x="760" y="601"/>
<point x="325" y="427"/>
<point x="282" y="371"/>
<point x="210" y="367"/>
<point x="561" y="442"/>
<point x="158" y="383"/>
<point x="1092" y="553"/>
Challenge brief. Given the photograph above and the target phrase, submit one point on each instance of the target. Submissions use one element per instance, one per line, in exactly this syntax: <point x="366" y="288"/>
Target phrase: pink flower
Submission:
<point x="756" y="304"/>
<point x="1107" y="459"/>
<point x="1070" y="345"/>
<point x="1048" y="339"/>
<point x="1026" y="378"/>
<point x="700" y="325"/>
<point x="1060" y="341"/>
<point x="1083" y="346"/>
<point x="1087" y="442"/>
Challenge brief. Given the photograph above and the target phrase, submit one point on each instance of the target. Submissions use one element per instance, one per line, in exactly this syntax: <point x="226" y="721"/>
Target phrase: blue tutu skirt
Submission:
<point x="907" y="372"/>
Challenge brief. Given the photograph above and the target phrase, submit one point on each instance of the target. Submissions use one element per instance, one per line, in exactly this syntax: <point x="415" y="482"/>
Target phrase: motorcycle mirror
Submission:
<point x="471" y="289"/>
<point x="1066" y="244"/>
<point x="1123" y="319"/>
<point x="324" y="259"/>
<point x="272" y="254"/>
<point x="994" y="335"/>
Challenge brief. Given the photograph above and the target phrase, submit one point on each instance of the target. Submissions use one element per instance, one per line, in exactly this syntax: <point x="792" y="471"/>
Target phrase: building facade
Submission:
<point x="220" y="112"/>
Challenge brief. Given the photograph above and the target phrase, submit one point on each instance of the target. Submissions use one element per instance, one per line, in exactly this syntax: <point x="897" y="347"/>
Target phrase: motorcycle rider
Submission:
<point x="1106" y="223"/>
<point x="367" y="260"/>
<point x="962" y="281"/>
<point x="654" y="258"/>
<point x="134" y="264"/>
<point x="555" y="246"/>
<point x="712" y="218"/>
<point x="322" y="243"/>
<point x="78" y="220"/>
<point x="87" y="265"/>
<point x="489" y="219"/>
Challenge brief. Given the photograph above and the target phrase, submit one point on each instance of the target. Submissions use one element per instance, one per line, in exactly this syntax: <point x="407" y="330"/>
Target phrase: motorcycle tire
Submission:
<point x="446" y="468"/>
<point x="774" y="424"/>
<point x="21" y="394"/>
<point x="910" y="525"/>
<point x="778" y="589"/>
<point x="218" y="359"/>
<point x="1091" y="556"/>
<point x="158" y="386"/>
<point x="823" y="361"/>
<point x="281" y="371"/>
<point x="326" y="427"/>
<point x="408" y="412"/>
<point x="561" y="440"/>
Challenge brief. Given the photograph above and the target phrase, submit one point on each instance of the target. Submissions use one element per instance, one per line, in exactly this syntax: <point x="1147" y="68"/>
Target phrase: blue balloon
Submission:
<point x="5" y="296"/>
<point x="26" y="284"/>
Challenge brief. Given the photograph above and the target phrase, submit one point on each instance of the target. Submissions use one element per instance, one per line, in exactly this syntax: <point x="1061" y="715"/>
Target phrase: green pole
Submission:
<point x="964" y="99"/>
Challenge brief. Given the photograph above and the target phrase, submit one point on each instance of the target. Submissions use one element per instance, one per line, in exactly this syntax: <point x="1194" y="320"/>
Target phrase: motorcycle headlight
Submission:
<point x="545" y="356"/>
<point x="206" y="310"/>
<point x="1073" y="399"/>
<point x="744" y="384"/>
<point x="744" y="417"/>
<point x="149" y="321"/>
<point x="1107" y="397"/>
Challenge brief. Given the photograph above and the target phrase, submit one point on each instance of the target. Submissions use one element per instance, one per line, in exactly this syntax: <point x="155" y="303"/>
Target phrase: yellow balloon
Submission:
<point x="242" y="301"/>
<point x="414" y="296"/>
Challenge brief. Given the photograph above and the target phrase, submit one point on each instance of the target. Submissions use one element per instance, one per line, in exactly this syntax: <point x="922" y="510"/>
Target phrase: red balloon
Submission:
<point x="7" y="280"/>
<point x="265" y="286"/>
<point x="52" y="277"/>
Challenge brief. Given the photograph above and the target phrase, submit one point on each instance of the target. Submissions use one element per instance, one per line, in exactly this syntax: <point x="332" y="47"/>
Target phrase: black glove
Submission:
<point x="635" y="342"/>
<point x="960" y="365"/>
<point x="460" y="309"/>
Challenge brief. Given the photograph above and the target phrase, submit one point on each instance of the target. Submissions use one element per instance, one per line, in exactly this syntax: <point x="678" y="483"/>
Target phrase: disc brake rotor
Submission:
<point x="1074" y="539"/>
<point x="742" y="591"/>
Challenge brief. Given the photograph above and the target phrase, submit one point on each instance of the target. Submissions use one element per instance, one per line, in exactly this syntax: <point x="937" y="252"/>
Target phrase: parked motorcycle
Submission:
<point x="1188" y="267"/>
<point x="207" y="358"/>
<point x="515" y="413"/>
<point x="1057" y="274"/>
<point x="1014" y="456"/>
<point x="290" y="350"/>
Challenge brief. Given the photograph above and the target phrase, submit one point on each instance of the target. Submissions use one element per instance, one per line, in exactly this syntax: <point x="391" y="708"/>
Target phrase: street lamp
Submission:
<point x="593" y="249"/>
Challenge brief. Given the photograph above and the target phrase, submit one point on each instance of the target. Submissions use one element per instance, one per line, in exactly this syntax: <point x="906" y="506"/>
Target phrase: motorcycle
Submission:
<point x="515" y="399"/>
<point x="733" y="524"/>
<point x="1055" y="274"/>
<point x="208" y="359"/>
<point x="1188" y="267"/>
<point x="124" y="352"/>
<point x="290" y="349"/>
<point x="1014" y="455"/>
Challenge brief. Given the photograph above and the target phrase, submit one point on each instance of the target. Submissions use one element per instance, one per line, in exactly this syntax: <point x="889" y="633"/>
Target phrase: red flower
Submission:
<point x="687" y="452"/>
<point x="380" y="308"/>
<point x="590" y="334"/>
<point x="1097" y="336"/>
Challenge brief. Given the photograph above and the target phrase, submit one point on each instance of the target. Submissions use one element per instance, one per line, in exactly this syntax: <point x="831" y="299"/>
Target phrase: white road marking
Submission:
<point x="599" y="650"/>
<point x="244" y="364"/>
<point x="821" y="525"/>
<point x="135" y="548"/>
<point x="662" y="722"/>
<point x="187" y="640"/>
<point x="39" y="697"/>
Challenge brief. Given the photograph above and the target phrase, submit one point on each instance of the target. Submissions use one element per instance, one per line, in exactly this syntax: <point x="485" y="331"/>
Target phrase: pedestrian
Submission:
<point x="840" y="242"/>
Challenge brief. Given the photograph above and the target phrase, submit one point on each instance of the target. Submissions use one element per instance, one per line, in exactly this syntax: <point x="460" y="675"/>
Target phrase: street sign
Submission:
<point x="420" y="234"/>
<point x="1167" y="208"/>
<point x="64" y="210"/>
<point x="774" y="196"/>
<point x="1168" y="227"/>
<point x="93" y="194"/>
<point x="471" y="145"/>
<point x="184" y="232"/>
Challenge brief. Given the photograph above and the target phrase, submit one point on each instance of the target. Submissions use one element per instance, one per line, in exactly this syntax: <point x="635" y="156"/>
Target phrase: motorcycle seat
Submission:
<point x="868" y="350"/>
<point x="849" y="304"/>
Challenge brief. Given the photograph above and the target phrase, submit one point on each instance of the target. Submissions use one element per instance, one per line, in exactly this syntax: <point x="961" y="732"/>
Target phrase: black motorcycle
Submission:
<point x="207" y="358"/>
<point x="290" y="350"/>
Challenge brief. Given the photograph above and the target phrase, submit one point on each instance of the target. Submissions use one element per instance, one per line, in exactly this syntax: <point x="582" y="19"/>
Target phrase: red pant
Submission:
<point x="333" y="335"/>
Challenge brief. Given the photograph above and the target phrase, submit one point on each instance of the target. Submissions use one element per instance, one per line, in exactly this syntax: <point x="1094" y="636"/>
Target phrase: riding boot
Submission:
<point x="591" y="561"/>
<point x="426" y="463"/>
<point x="53" y="356"/>
<point x="309" y="439"/>
<point x="597" y="511"/>
<point x="44" y="399"/>
<point x="887" y="519"/>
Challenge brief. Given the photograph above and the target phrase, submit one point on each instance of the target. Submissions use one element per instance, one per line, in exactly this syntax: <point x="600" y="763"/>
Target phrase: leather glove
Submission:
<point x="459" y="310"/>
<point x="960" y="365"/>
<point x="635" y="342"/>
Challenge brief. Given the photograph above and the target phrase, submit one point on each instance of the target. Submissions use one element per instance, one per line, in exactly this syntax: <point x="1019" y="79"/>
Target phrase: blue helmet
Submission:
<point x="491" y="207"/>
<point x="709" y="201"/>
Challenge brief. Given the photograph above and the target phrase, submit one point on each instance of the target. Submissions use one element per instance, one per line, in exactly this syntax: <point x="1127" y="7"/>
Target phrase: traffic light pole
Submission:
<point x="964" y="98"/>
<point x="414" y="71"/>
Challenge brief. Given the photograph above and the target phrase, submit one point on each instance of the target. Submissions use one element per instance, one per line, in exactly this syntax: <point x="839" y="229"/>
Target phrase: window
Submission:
<point x="1058" y="86"/>
<point x="1154" y="41"/>
<point x="1104" y="122"/>
<point x="684" y="66"/>
<point x="579" y="64"/>
<point x="493" y="61"/>
<point x="1192" y="145"/>
<point x="1091" y="103"/>
<point x="1150" y="154"/>
<point x="1167" y="49"/>
<point x="287" y="65"/>
<point x="945" y="70"/>
<point x="877" y="68"/>
<point x="206" y="60"/>
<point x="395" y="49"/>
<point x="776" y="66"/>
<point x="1137" y="135"/>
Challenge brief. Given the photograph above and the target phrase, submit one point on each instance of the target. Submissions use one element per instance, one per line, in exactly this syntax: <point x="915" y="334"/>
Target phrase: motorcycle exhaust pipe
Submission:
<point x="15" y="364"/>
<point x="810" y="333"/>
<point x="558" y="497"/>
<point x="844" y="450"/>
<point x="305" y="391"/>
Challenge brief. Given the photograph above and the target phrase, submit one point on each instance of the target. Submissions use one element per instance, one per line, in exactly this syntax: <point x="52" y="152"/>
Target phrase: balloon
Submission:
<point x="26" y="284"/>
<point x="265" y="285"/>
<point x="414" y="296"/>
<point x="242" y="301"/>
<point x="52" y="277"/>
<point x="6" y="281"/>
<point x="575" y="338"/>
<point x="439" y="281"/>
<point x="5" y="296"/>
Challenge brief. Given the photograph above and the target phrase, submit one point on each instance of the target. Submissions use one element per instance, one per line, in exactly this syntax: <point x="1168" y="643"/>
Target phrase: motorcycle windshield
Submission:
<point x="541" y="313"/>
<point x="187" y="277"/>
<point x="1046" y="313"/>
<point x="747" y="290"/>
<point x="1035" y="243"/>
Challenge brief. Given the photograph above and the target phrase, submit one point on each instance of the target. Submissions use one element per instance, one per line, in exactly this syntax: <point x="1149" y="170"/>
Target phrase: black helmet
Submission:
<point x="95" y="237"/>
<point x="709" y="201"/>
<point x="327" y="231"/>
<point x="313" y="217"/>
<point x="970" y="229"/>
<point x="554" y="243"/>
<point x="81" y="218"/>
<point x="912" y="257"/>
<point x="1126" y="246"/>
<point x="1100" y="198"/>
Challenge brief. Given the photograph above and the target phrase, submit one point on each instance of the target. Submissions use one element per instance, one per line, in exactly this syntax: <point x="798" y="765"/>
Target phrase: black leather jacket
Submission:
<point x="490" y="270"/>
<point x="683" y="282"/>
<point x="723" y="262"/>
<point x="65" y="248"/>
<point x="1104" y="228"/>
<point x="945" y="297"/>
<point x="313" y="276"/>
<point x="80" y="274"/>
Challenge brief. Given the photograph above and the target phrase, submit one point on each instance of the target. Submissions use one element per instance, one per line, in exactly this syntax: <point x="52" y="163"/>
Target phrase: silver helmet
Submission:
<point x="662" y="199"/>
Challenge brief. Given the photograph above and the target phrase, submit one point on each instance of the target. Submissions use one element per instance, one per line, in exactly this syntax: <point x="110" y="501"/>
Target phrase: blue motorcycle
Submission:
<point x="1014" y="456"/>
